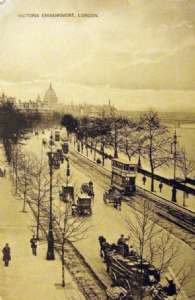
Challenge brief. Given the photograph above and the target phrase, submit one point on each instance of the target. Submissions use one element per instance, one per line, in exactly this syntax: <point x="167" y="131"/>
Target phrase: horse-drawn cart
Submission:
<point x="112" y="196"/>
<point x="82" y="207"/>
<point x="87" y="188"/>
<point x="130" y="273"/>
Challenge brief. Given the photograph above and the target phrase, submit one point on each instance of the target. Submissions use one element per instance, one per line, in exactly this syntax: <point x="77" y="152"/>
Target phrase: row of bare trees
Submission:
<point x="30" y="177"/>
<point x="147" y="138"/>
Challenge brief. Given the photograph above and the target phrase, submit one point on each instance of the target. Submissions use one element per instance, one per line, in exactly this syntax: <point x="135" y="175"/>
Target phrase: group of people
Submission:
<point x="121" y="246"/>
<point x="6" y="251"/>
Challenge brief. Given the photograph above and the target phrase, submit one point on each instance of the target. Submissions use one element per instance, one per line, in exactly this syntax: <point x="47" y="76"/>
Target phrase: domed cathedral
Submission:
<point x="50" y="97"/>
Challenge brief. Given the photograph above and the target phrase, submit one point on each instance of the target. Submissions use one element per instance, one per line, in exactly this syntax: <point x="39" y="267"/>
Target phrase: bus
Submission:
<point x="123" y="176"/>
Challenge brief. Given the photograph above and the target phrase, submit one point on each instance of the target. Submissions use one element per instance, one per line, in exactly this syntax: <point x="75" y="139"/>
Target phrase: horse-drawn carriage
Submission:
<point x="55" y="160"/>
<point x="82" y="207"/>
<point x="60" y="155"/>
<point x="65" y="147"/>
<point x="87" y="188"/>
<point x="57" y="135"/>
<point x="129" y="271"/>
<point x="113" y="196"/>
<point x="67" y="193"/>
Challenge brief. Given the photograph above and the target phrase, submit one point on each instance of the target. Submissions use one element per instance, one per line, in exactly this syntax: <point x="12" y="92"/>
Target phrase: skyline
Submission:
<point x="137" y="54"/>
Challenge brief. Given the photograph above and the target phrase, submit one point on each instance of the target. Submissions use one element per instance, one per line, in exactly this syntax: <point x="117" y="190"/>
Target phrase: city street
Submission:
<point x="109" y="222"/>
<point x="97" y="150"/>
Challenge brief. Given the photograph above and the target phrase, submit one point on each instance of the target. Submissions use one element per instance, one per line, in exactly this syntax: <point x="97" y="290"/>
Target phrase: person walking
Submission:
<point x="160" y="187"/>
<point x="144" y="180"/>
<point x="6" y="254"/>
<point x="33" y="242"/>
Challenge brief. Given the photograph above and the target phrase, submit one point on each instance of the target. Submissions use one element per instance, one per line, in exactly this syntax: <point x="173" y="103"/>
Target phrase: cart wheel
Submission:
<point x="113" y="276"/>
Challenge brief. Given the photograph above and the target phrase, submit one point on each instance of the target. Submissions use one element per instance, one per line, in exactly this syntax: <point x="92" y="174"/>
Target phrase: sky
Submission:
<point x="137" y="53"/>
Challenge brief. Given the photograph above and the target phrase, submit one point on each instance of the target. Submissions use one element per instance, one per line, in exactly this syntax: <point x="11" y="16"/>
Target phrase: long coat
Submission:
<point x="6" y="253"/>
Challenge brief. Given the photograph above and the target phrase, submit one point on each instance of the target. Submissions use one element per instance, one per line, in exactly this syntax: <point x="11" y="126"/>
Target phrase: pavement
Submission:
<point x="28" y="277"/>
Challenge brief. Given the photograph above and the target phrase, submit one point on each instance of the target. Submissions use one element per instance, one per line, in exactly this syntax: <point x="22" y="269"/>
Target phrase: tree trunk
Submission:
<point x="24" y="201"/>
<point x="151" y="168"/>
<point x="87" y="150"/>
<point x="94" y="158"/>
<point x="115" y="142"/>
<point x="152" y="180"/>
<point x="91" y="147"/>
<point x="63" y="264"/>
<point x="38" y="219"/>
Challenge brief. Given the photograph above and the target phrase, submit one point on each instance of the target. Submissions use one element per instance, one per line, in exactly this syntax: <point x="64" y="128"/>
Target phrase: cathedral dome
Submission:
<point x="50" y="96"/>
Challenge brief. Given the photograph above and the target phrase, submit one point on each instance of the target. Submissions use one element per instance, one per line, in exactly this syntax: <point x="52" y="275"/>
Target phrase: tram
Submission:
<point x="123" y="176"/>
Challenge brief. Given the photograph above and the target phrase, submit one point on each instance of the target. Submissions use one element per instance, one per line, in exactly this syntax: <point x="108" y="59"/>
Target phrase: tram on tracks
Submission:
<point x="123" y="176"/>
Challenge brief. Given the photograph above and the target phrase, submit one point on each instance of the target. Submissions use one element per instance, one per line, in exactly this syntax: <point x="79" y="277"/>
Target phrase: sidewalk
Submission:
<point x="28" y="277"/>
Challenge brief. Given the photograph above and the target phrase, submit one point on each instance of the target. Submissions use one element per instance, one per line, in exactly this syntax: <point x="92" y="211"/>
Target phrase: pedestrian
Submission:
<point x="122" y="241"/>
<point x="4" y="172"/>
<point x="144" y="180"/>
<point x="6" y="254"/>
<point x="118" y="203"/>
<point x="160" y="187"/>
<point x="33" y="242"/>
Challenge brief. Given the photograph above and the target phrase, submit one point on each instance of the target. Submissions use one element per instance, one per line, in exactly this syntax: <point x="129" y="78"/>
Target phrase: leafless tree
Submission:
<point x="38" y="194"/>
<point x="68" y="229"/>
<point x="132" y="140"/>
<point x="16" y="156"/>
<point x="152" y="243"/>
<point x="116" y="124"/>
<point x="183" y="275"/>
<point x="25" y="177"/>
<point x="186" y="167"/>
<point x="156" y="142"/>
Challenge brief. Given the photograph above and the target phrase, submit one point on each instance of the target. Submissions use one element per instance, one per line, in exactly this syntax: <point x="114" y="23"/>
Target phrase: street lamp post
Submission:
<point x="139" y="157"/>
<point x="174" y="151"/>
<point x="67" y="171"/>
<point x="50" y="238"/>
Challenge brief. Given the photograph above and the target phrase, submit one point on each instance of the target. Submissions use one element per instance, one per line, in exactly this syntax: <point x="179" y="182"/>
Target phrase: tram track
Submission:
<point x="181" y="220"/>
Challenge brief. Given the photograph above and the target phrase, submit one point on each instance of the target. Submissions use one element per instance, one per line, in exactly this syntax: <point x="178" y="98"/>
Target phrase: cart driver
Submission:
<point x="122" y="240"/>
<point x="170" y="288"/>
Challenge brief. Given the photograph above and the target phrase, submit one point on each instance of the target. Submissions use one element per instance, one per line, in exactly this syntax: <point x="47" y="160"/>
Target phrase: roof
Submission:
<point x="125" y="161"/>
<point x="50" y="96"/>
<point x="83" y="195"/>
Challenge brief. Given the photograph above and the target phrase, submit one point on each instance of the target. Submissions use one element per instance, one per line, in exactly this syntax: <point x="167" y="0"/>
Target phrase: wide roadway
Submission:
<point x="106" y="220"/>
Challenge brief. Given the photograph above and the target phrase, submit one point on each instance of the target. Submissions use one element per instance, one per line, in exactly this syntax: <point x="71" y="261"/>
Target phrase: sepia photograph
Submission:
<point x="97" y="150"/>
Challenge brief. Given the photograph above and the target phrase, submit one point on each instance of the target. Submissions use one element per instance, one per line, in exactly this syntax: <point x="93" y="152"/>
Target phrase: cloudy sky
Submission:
<point x="138" y="53"/>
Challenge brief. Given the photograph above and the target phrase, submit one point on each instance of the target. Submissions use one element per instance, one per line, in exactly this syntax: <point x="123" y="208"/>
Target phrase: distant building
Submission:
<point x="4" y="99"/>
<point x="50" y="97"/>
